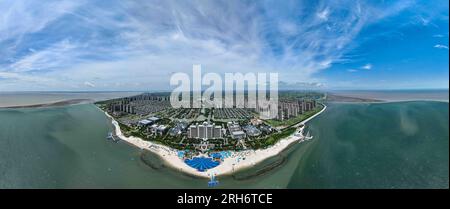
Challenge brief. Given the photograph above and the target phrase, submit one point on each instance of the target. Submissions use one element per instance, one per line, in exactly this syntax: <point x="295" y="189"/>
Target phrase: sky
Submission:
<point x="89" y="45"/>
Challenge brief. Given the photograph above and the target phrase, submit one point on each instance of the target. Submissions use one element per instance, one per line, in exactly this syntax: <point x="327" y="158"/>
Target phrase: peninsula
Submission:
<point x="208" y="142"/>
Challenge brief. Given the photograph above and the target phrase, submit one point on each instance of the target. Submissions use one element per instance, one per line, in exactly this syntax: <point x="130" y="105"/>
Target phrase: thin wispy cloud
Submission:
<point x="323" y="15"/>
<point x="89" y="84"/>
<point x="138" y="44"/>
<point x="440" y="46"/>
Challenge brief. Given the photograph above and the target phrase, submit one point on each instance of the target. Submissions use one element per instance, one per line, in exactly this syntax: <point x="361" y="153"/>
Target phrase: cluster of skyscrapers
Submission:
<point x="140" y="104"/>
<point x="289" y="109"/>
<point x="122" y="106"/>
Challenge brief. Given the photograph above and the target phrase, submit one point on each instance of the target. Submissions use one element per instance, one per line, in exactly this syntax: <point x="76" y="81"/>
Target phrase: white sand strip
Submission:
<point x="231" y="164"/>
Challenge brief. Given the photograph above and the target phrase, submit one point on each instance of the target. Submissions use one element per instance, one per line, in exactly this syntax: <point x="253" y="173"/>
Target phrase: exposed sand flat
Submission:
<point x="231" y="164"/>
<point x="54" y="104"/>
<point x="32" y="99"/>
<point x="440" y="95"/>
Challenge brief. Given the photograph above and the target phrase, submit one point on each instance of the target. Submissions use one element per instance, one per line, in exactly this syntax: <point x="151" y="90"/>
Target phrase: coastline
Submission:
<point x="167" y="154"/>
<point x="237" y="161"/>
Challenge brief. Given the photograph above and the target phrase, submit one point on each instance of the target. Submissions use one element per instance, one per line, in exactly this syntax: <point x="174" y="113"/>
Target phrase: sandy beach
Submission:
<point x="237" y="160"/>
<point x="169" y="155"/>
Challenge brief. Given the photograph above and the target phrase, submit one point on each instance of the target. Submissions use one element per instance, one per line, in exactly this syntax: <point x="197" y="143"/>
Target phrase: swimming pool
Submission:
<point x="202" y="163"/>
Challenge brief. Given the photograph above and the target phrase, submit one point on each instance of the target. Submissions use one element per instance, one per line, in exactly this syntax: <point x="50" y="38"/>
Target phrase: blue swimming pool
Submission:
<point x="202" y="163"/>
<point x="220" y="155"/>
<point x="216" y="155"/>
<point x="180" y="154"/>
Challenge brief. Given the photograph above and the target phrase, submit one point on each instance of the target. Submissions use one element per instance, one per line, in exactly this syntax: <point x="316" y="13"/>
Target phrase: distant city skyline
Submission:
<point x="137" y="45"/>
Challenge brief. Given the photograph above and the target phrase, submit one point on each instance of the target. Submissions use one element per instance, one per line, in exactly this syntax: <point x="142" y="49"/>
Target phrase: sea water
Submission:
<point x="387" y="145"/>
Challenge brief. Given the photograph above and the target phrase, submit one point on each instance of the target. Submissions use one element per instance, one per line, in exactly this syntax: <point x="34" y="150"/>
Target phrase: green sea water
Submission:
<point x="390" y="145"/>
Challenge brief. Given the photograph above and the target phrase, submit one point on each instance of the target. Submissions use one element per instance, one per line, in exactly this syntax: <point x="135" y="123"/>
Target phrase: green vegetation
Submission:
<point x="169" y="117"/>
<point x="298" y="119"/>
<point x="272" y="139"/>
<point x="128" y="131"/>
<point x="207" y="111"/>
<point x="125" y="129"/>
<point x="253" y="142"/>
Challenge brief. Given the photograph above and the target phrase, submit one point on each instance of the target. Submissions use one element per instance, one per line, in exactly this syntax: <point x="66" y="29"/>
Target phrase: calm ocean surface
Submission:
<point x="389" y="145"/>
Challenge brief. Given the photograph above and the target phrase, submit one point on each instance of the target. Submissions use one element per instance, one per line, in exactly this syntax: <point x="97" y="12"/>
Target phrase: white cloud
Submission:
<point x="122" y="43"/>
<point x="438" y="36"/>
<point x="89" y="84"/>
<point x="22" y="17"/>
<point x="55" y="56"/>
<point x="323" y="15"/>
<point x="440" y="46"/>
<point x="367" y="66"/>
<point x="24" y="78"/>
<point x="288" y="28"/>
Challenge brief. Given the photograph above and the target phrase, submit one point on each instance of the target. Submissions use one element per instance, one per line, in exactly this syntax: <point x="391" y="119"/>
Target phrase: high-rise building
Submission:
<point x="289" y="109"/>
<point x="205" y="131"/>
<point x="193" y="131"/>
<point x="209" y="131"/>
<point x="217" y="133"/>
<point x="202" y="132"/>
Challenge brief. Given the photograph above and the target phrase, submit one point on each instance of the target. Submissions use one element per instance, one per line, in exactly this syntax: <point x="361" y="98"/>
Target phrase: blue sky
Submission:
<point x="137" y="45"/>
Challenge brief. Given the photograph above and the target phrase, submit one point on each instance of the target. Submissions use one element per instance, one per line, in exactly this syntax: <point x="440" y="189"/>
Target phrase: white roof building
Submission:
<point x="237" y="134"/>
<point x="145" y="122"/>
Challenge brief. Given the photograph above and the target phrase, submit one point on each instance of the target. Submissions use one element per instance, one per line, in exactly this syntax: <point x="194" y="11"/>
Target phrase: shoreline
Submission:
<point x="167" y="154"/>
<point x="237" y="161"/>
